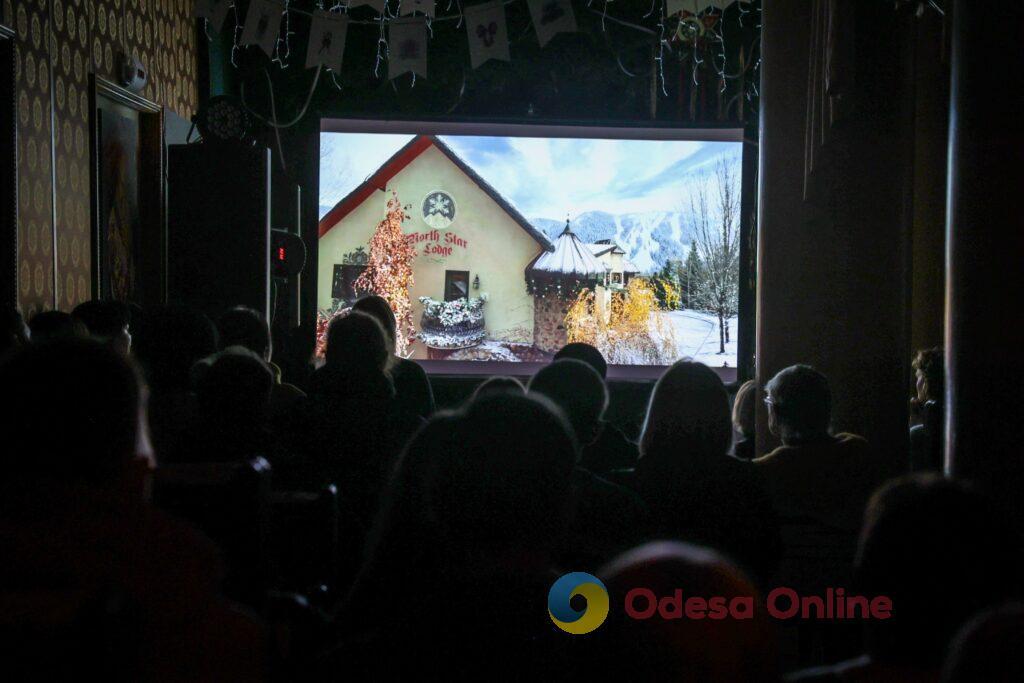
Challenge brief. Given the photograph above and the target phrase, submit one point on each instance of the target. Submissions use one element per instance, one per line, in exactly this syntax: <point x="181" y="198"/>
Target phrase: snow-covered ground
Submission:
<point x="697" y="337"/>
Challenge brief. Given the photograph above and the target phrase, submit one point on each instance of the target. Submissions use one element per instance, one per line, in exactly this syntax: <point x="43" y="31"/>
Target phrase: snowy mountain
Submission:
<point x="650" y="238"/>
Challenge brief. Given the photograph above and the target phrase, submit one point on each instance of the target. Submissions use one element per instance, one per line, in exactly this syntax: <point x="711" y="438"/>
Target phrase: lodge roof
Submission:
<point x="570" y="256"/>
<point x="378" y="180"/>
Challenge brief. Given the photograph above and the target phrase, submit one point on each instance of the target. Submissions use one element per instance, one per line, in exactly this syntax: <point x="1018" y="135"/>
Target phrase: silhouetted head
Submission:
<point x="744" y="408"/>
<point x="584" y="352"/>
<point x="244" y="326"/>
<point x="928" y="364"/>
<point x="357" y="342"/>
<point x="50" y="325"/>
<point x="169" y="342"/>
<point x="72" y="413"/>
<point x="107" y="322"/>
<point x="687" y="418"/>
<point x="799" y="404"/>
<point x="681" y="649"/>
<point x="233" y="388"/>
<point x="379" y="309"/>
<point x="989" y="648"/>
<point x="503" y="485"/>
<point x="498" y="385"/>
<point x="941" y="552"/>
<point x="579" y="391"/>
<point x="14" y="332"/>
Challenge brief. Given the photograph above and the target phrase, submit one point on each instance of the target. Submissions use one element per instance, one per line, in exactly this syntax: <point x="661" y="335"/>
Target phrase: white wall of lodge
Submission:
<point x="482" y="239"/>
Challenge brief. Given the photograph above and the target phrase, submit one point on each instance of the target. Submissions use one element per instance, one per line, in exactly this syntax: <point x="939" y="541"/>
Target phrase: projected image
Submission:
<point x="507" y="248"/>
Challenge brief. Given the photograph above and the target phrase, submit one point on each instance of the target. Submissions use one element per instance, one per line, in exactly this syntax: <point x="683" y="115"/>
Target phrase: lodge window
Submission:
<point x="344" y="278"/>
<point x="617" y="278"/>
<point x="456" y="284"/>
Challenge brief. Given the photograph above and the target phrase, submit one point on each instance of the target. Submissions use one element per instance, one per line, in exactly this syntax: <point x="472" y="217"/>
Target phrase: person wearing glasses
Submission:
<point x="815" y="474"/>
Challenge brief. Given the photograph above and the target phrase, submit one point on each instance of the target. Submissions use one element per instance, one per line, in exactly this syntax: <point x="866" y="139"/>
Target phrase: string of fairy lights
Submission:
<point x="678" y="27"/>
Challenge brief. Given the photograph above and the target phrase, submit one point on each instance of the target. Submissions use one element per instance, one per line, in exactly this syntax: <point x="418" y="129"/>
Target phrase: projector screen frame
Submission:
<point x="584" y="129"/>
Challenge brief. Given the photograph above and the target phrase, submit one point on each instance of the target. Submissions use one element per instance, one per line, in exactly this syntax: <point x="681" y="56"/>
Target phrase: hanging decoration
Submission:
<point x="487" y="32"/>
<point x="327" y="34"/>
<point x="378" y="5"/>
<point x="262" y="25"/>
<point x="551" y="17"/>
<point x="407" y="47"/>
<point x="424" y="7"/>
<point x="685" y="32"/>
<point x="214" y="12"/>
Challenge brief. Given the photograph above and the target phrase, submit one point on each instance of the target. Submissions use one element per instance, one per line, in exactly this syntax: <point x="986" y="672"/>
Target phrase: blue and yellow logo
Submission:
<point x="575" y="621"/>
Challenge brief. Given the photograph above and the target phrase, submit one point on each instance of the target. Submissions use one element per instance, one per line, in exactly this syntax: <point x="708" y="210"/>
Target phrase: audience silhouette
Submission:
<point x="107" y="322"/>
<point x="351" y="428"/>
<point x="412" y="389"/>
<point x="245" y="327"/>
<point x="49" y="325"/>
<point x="926" y="410"/>
<point x="476" y="511"/>
<point x="611" y="450"/>
<point x="941" y="553"/>
<point x="447" y="529"/>
<point x="14" y="333"/>
<point x="814" y="474"/>
<point x="607" y="518"/>
<point x="498" y="385"/>
<point x="696" y="491"/>
<point x="989" y="648"/>
<point x="115" y="588"/>
<point x="744" y="410"/>
<point x="684" y="649"/>
<point x="233" y="390"/>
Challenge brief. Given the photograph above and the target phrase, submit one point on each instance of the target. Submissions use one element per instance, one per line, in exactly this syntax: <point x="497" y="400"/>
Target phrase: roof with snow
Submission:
<point x="570" y="256"/>
<point x="378" y="180"/>
<point x="601" y="248"/>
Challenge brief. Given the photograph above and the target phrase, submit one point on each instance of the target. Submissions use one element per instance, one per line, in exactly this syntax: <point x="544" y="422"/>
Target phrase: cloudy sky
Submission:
<point x="543" y="177"/>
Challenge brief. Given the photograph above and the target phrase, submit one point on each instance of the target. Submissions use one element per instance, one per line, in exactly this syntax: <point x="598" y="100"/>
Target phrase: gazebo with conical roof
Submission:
<point x="568" y="266"/>
<point x="554" y="278"/>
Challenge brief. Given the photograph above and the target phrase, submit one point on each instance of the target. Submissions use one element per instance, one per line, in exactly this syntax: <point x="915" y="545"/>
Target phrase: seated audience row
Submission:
<point x="459" y="521"/>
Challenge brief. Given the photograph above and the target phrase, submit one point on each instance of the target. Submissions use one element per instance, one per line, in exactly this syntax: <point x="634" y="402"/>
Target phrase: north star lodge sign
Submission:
<point x="436" y="243"/>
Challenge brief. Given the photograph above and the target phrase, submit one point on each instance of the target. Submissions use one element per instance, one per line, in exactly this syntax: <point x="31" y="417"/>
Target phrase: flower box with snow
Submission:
<point x="452" y="324"/>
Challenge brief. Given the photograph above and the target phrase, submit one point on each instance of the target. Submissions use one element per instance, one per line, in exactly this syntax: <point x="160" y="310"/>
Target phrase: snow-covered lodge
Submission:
<point x="471" y="244"/>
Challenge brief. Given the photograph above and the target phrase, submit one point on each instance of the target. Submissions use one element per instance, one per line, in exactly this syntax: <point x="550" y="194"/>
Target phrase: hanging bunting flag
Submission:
<point x="262" y="25"/>
<point x="327" y="33"/>
<point x="551" y="17"/>
<point x="425" y="7"/>
<point x="407" y="47"/>
<point x="488" y="32"/>
<point x="214" y="11"/>
<point x="375" y="4"/>
<point x="674" y="7"/>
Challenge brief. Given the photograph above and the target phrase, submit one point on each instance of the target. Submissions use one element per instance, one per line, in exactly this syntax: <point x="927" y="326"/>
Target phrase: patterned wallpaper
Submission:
<point x="58" y="43"/>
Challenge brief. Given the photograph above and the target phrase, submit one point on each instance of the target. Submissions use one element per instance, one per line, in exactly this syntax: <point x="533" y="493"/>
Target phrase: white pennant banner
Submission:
<point x="327" y="33"/>
<point x="551" y="17"/>
<point x="262" y="25"/>
<point x="375" y="4"/>
<point x="407" y="47"/>
<point x="487" y="31"/>
<point x="674" y="7"/>
<point x="425" y="7"/>
<point x="214" y="11"/>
